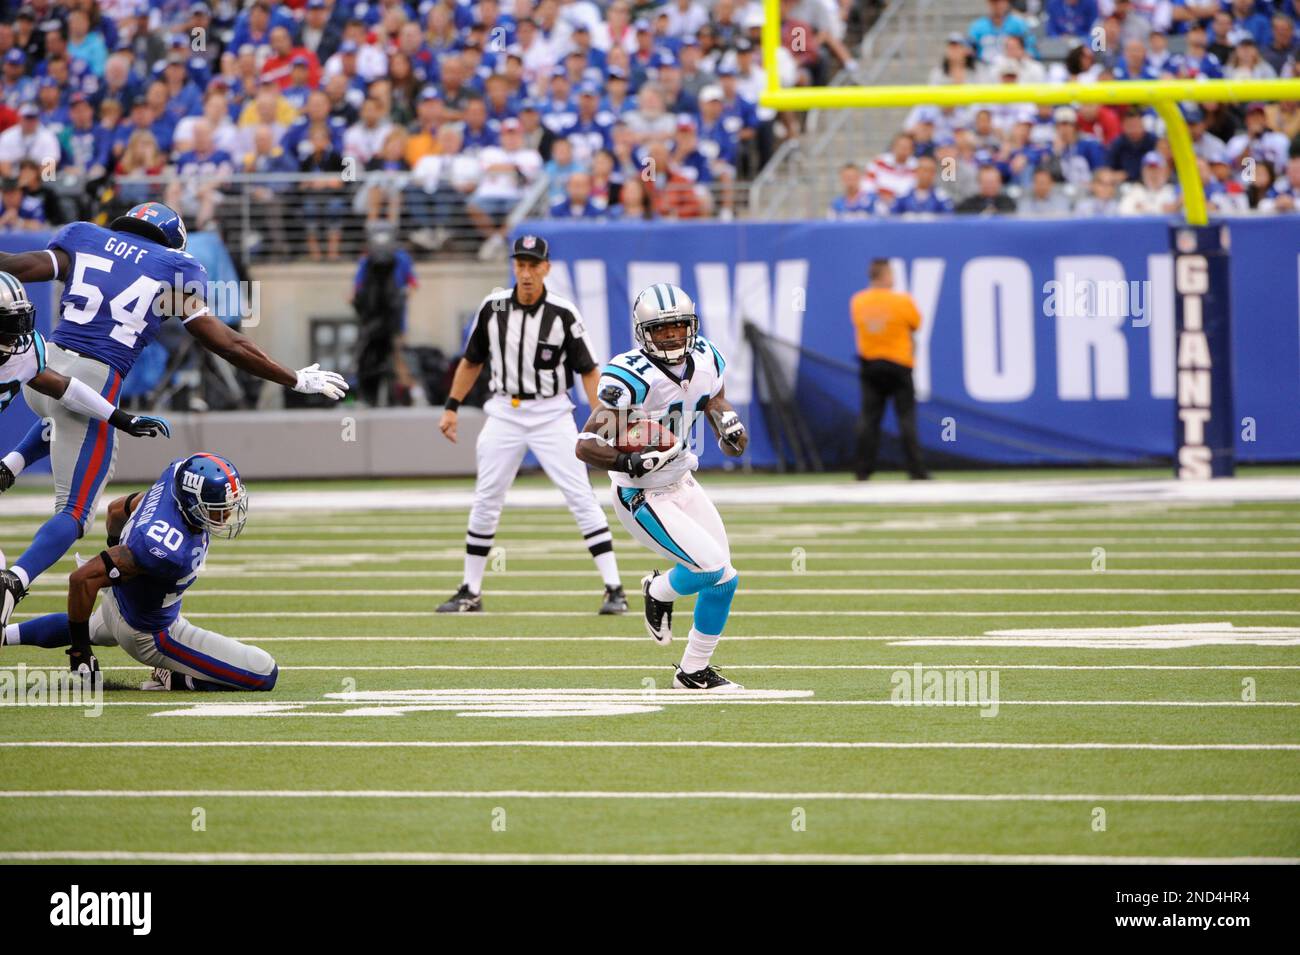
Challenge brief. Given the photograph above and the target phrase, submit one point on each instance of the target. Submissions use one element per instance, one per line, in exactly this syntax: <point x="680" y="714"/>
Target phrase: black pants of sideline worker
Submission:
<point x="881" y="381"/>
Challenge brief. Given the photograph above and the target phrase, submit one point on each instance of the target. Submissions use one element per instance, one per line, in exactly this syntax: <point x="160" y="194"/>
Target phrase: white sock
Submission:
<point x="11" y="635"/>
<point x="661" y="589"/>
<point x="699" y="650"/>
<point x="475" y="564"/>
<point x="22" y="576"/>
<point x="14" y="462"/>
<point x="607" y="564"/>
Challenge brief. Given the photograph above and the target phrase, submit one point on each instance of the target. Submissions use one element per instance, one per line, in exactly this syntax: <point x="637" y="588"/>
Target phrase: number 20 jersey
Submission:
<point x="108" y="294"/>
<point x="169" y="554"/>
<point x="671" y="396"/>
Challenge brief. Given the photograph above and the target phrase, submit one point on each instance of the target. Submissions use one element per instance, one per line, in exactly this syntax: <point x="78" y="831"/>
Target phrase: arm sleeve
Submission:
<point x="577" y="349"/>
<point x="477" y="349"/>
<point x="83" y="399"/>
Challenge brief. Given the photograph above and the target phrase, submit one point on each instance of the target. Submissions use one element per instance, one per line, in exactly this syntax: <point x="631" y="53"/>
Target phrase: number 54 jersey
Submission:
<point x="674" y="396"/>
<point x="113" y="280"/>
<point x="169" y="554"/>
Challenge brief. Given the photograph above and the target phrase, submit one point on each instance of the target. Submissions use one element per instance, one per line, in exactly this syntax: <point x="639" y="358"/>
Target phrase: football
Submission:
<point x="646" y="435"/>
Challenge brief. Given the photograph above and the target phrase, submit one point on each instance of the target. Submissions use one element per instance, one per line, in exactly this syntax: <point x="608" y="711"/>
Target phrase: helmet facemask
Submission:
<point x="673" y="354"/>
<point x="17" y="328"/>
<point x="224" y="520"/>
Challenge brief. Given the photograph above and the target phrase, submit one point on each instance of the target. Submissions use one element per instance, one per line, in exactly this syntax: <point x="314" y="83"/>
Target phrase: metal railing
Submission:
<point x="882" y="49"/>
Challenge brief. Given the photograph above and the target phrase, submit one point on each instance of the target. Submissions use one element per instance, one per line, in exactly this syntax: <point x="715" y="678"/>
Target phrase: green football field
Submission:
<point x="925" y="682"/>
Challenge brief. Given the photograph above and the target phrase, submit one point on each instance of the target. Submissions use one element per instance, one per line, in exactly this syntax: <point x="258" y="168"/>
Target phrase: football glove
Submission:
<point x="730" y="430"/>
<point x="313" y="380"/>
<point x="639" y="464"/>
<point x="84" y="664"/>
<point x="148" y="426"/>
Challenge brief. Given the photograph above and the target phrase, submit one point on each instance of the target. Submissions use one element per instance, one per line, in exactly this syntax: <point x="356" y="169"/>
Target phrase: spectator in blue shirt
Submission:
<point x="1133" y="64"/>
<point x="85" y="144"/>
<point x="924" y="197"/>
<point x="577" y="202"/>
<point x="1130" y="146"/>
<point x="1073" y="18"/>
<point x="588" y="133"/>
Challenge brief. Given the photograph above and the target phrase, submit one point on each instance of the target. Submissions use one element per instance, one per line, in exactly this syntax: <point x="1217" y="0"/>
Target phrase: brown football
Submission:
<point x="646" y="435"/>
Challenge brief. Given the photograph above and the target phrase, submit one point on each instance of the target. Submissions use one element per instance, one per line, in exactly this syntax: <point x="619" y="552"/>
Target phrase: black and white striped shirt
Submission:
<point x="531" y="351"/>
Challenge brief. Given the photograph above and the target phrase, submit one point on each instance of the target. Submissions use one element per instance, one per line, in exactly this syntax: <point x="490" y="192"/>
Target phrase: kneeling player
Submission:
<point x="673" y="376"/>
<point x="157" y="542"/>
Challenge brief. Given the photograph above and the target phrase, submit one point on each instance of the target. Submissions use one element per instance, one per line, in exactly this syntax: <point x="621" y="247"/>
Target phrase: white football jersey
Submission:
<point x="672" y="395"/>
<point x="17" y="370"/>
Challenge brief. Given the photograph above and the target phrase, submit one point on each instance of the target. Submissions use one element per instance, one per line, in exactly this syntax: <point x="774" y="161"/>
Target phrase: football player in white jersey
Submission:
<point x="671" y="378"/>
<point x="22" y="362"/>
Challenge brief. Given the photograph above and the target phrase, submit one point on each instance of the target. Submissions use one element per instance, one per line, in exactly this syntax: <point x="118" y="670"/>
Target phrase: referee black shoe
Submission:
<point x="615" y="601"/>
<point x="658" y="613"/>
<point x="11" y="591"/>
<point x="463" y="601"/>
<point x="706" y="679"/>
<point x="6" y="477"/>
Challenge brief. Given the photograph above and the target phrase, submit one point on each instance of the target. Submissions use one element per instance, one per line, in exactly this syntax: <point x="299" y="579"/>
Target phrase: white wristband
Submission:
<point x="83" y="399"/>
<point x="587" y="435"/>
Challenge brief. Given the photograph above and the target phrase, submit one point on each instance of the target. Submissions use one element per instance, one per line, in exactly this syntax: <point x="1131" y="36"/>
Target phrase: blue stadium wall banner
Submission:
<point x="1043" y="341"/>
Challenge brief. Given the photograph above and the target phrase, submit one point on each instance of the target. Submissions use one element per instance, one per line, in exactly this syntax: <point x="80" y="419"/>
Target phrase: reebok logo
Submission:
<point x="103" y="908"/>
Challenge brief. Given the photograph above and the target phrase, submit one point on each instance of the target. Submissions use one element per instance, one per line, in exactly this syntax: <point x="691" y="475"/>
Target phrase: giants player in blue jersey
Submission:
<point x="23" y="362"/>
<point x="120" y="284"/>
<point x="157" y="541"/>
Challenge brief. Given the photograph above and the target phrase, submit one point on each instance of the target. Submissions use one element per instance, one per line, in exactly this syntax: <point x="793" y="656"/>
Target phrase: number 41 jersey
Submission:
<point x="169" y="554"/>
<point x="109" y="291"/>
<point x="673" y="396"/>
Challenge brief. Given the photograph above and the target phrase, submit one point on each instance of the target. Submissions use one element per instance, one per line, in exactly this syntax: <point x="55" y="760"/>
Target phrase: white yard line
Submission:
<point x="752" y="591"/>
<point x="543" y="694"/>
<point x="327" y="614"/>
<point x="598" y="667"/>
<point x="98" y="855"/>
<point x="747" y="795"/>
<point x="634" y="744"/>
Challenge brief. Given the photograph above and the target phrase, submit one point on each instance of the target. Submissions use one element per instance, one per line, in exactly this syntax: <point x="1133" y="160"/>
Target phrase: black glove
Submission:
<point x="640" y="463"/>
<point x="140" y="426"/>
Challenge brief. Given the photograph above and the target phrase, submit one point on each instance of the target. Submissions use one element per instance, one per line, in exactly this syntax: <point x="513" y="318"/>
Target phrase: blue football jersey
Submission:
<point x="169" y="554"/>
<point x="109" y="291"/>
<point x="17" y="370"/>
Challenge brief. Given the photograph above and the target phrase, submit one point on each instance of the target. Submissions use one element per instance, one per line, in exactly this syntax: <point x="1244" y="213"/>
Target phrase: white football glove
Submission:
<point x="312" y="380"/>
<point x="730" y="429"/>
<point x="647" y="462"/>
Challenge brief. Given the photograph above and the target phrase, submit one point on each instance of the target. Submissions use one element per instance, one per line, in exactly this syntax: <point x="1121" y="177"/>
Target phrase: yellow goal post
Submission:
<point x="1161" y="95"/>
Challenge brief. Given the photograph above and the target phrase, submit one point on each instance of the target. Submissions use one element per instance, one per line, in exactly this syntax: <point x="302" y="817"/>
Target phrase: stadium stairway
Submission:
<point x="902" y="46"/>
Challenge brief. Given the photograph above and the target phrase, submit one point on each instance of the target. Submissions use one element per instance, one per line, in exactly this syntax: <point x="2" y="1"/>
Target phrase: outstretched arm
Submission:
<point x="39" y="266"/>
<point x="242" y="352"/>
<point x="79" y="397"/>
<point x="732" y="436"/>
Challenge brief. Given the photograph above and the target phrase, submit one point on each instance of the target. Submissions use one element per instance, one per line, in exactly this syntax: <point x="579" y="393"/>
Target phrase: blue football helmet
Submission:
<point x="154" y="221"/>
<point x="17" y="317"/>
<point x="211" y="494"/>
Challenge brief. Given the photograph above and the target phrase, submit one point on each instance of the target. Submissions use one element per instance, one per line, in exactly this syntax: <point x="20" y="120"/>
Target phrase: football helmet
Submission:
<point x="659" y="305"/>
<point x="155" y="222"/>
<point x="17" y="317"/>
<point x="211" y="494"/>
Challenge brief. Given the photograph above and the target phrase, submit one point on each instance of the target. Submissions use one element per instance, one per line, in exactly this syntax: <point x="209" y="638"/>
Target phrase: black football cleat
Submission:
<point x="463" y="601"/>
<point x="6" y="477"/>
<point x="615" y="601"/>
<point x="11" y="591"/>
<point x="658" y="613"/>
<point x="707" y="679"/>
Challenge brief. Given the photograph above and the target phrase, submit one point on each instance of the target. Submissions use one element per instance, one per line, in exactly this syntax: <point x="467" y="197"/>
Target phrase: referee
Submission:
<point x="533" y="343"/>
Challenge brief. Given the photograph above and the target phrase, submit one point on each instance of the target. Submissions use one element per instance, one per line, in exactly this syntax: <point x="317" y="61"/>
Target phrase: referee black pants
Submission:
<point x="881" y="381"/>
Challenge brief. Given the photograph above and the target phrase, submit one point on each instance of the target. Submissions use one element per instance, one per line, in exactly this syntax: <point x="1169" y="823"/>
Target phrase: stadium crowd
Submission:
<point x="1095" y="160"/>
<point x="437" y="116"/>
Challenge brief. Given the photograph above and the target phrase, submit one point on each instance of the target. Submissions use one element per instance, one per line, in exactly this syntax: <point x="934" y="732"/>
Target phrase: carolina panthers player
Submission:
<point x="22" y="362"/>
<point x="157" y="541"/>
<point x="120" y="284"/>
<point x="673" y="377"/>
